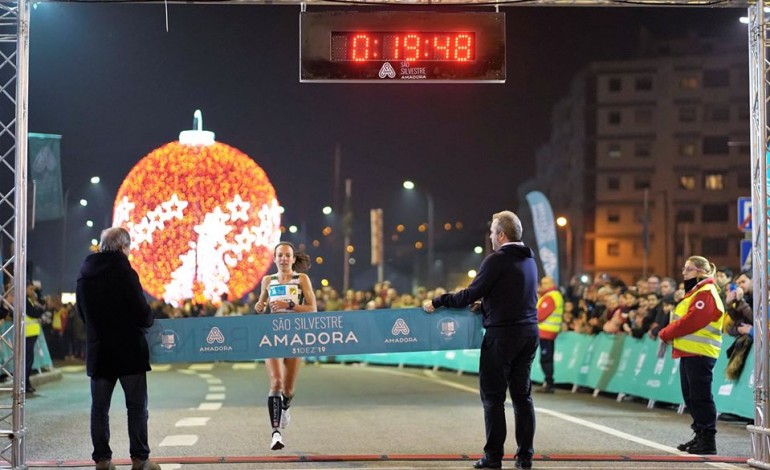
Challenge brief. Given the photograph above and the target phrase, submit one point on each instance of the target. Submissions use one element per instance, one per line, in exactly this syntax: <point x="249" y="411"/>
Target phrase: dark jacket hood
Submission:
<point x="99" y="264"/>
<point x="520" y="251"/>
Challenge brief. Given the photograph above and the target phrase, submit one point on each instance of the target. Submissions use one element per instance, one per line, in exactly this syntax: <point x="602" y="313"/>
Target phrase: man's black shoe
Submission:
<point x="484" y="463"/>
<point x="523" y="463"/>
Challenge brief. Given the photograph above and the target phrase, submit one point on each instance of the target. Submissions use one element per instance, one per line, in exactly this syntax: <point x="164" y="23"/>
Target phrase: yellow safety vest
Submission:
<point x="31" y="326"/>
<point x="708" y="340"/>
<point x="553" y="322"/>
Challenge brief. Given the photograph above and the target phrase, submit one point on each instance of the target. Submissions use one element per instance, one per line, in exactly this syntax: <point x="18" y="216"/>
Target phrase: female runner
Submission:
<point x="287" y="291"/>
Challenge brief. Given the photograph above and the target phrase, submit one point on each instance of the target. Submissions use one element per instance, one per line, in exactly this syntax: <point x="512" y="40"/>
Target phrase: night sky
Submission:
<point x="116" y="85"/>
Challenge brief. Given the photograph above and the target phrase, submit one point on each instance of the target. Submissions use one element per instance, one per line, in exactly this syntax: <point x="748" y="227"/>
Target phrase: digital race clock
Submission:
<point x="402" y="47"/>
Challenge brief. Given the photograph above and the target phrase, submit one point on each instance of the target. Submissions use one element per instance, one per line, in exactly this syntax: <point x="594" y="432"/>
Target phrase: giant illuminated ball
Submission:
<point x="203" y="219"/>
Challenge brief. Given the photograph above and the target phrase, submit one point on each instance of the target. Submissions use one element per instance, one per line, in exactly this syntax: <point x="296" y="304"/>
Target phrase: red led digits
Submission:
<point x="411" y="47"/>
<point x="360" y="50"/>
<point x="382" y="46"/>
<point x="463" y="47"/>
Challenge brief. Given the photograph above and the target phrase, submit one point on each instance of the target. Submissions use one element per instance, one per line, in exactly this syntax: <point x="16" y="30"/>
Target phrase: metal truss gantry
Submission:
<point x="14" y="70"/>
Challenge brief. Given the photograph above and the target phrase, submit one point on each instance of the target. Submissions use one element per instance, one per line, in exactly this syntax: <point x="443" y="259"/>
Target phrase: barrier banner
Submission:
<point x="250" y="337"/>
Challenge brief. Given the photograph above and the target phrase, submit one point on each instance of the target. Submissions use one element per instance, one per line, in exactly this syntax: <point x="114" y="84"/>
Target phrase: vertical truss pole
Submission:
<point x="759" y="86"/>
<point x="14" y="67"/>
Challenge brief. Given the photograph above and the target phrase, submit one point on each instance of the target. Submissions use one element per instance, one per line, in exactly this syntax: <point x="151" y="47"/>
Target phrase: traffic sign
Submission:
<point x="744" y="214"/>
<point x="745" y="255"/>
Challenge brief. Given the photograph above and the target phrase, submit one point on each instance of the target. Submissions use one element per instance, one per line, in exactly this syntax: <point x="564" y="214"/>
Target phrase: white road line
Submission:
<point x="216" y="388"/>
<point x="215" y="396"/>
<point x="245" y="365"/>
<point x="179" y="440"/>
<point x="209" y="406"/>
<point x="161" y="367"/>
<point x="214" y="381"/>
<point x="202" y="366"/>
<point x="206" y="375"/>
<point x="198" y="421"/>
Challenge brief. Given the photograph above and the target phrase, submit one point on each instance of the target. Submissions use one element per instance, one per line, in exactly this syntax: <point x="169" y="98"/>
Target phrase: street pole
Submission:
<point x="430" y="240"/>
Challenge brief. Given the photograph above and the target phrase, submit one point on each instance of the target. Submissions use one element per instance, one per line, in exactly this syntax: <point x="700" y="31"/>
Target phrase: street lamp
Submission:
<point x="562" y="222"/>
<point x="410" y="185"/>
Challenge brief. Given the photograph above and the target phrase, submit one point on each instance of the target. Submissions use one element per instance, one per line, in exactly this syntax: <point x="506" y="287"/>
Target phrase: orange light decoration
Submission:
<point x="203" y="219"/>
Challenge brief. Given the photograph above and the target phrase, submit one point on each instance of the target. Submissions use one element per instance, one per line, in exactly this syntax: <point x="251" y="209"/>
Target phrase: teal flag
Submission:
<point x="249" y="337"/>
<point x="545" y="233"/>
<point x="45" y="171"/>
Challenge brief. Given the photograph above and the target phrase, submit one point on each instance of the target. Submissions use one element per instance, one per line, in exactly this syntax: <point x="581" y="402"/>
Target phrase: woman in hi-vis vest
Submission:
<point x="695" y="333"/>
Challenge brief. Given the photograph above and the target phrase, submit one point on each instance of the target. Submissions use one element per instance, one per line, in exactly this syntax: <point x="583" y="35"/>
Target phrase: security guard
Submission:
<point x="550" y="307"/>
<point x="695" y="333"/>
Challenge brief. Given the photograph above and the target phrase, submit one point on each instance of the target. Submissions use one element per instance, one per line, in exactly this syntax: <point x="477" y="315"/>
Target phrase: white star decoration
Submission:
<point x="211" y="255"/>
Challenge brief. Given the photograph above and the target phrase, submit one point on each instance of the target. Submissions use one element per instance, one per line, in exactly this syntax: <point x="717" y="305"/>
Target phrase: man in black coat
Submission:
<point x="111" y="302"/>
<point x="507" y="286"/>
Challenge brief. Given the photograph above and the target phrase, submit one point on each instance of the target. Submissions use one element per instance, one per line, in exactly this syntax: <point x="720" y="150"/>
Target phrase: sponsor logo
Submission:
<point x="387" y="70"/>
<point x="400" y="328"/>
<point x="447" y="327"/>
<point x="168" y="340"/>
<point x="700" y="304"/>
<point x="215" y="336"/>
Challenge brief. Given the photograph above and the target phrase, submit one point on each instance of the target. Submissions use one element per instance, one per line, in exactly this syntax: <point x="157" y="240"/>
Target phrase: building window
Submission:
<point x="613" y="151"/>
<point x="714" y="78"/>
<point x="714" y="181"/>
<point x="715" y="145"/>
<point x="714" y="246"/>
<point x="613" y="216"/>
<point x="613" y="249"/>
<point x="685" y="215"/>
<point x="688" y="114"/>
<point x="687" y="149"/>
<point x="688" y="83"/>
<point x="717" y="113"/>
<point x="642" y="182"/>
<point x="613" y="118"/>
<point x="715" y="213"/>
<point x="687" y="182"/>
<point x="613" y="183"/>
<point x="643" y="83"/>
<point x="615" y="84"/>
<point x="643" y="116"/>
<point x="744" y="180"/>
<point x="642" y="149"/>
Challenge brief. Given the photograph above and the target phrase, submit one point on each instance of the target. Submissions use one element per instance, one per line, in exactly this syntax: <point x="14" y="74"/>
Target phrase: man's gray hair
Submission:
<point x="114" y="239"/>
<point x="509" y="224"/>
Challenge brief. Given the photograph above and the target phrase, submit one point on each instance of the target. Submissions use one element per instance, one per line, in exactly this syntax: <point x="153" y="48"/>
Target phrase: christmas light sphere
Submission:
<point x="203" y="219"/>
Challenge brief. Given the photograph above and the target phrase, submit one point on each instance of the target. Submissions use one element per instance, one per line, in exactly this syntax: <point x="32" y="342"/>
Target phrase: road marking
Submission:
<point x="216" y="388"/>
<point x="179" y="440"/>
<point x="214" y="381"/>
<point x="245" y="365"/>
<point x="161" y="367"/>
<point x="209" y="407"/>
<point x="199" y="421"/>
<point x="215" y="396"/>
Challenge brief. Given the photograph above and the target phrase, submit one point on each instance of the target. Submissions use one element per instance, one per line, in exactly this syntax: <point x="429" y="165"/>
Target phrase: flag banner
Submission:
<point x="545" y="233"/>
<point x="250" y="337"/>
<point x="45" y="170"/>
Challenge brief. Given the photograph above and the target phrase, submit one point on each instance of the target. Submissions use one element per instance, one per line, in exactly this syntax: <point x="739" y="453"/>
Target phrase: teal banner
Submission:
<point x="250" y="337"/>
<point x="45" y="170"/>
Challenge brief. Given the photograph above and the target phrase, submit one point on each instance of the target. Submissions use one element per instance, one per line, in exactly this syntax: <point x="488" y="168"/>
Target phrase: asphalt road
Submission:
<point x="214" y="416"/>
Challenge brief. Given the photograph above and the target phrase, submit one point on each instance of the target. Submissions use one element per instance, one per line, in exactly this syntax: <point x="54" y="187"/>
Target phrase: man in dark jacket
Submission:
<point x="507" y="285"/>
<point x="111" y="302"/>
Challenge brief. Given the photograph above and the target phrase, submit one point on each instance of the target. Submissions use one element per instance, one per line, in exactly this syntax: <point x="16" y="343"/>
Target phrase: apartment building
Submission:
<point x="647" y="158"/>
